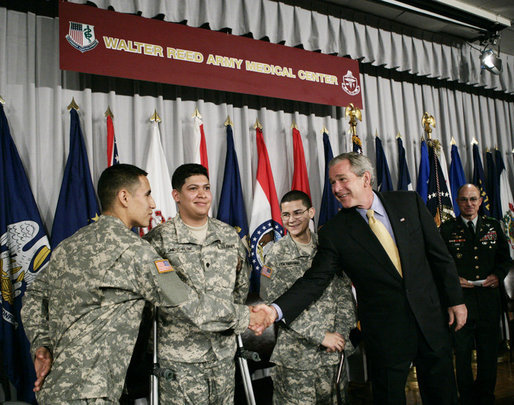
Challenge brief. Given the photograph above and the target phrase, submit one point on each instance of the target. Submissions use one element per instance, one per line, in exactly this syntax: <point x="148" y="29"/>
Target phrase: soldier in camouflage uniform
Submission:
<point x="306" y="353"/>
<point x="210" y="257"/>
<point x="84" y="311"/>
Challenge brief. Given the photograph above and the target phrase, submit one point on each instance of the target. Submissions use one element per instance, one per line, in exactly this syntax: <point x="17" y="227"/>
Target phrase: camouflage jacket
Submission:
<point x="86" y="308"/>
<point x="299" y="344"/>
<point x="217" y="268"/>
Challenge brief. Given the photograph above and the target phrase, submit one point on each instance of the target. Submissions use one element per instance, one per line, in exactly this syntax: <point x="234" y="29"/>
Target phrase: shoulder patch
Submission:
<point x="163" y="266"/>
<point x="266" y="271"/>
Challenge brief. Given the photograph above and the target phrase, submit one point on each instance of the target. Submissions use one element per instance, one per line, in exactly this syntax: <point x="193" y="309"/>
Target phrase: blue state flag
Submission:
<point x="479" y="180"/>
<point x="384" y="182"/>
<point x="493" y="186"/>
<point x="404" y="181"/>
<point x="232" y="208"/>
<point x="24" y="251"/>
<point x="457" y="177"/>
<point x="423" y="172"/>
<point x="438" y="199"/>
<point x="329" y="204"/>
<point x="77" y="205"/>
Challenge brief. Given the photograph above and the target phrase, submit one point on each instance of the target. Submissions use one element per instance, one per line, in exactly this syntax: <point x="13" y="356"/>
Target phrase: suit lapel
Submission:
<point x="362" y="234"/>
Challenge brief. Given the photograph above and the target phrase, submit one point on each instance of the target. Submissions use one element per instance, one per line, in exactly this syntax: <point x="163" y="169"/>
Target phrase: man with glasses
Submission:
<point x="481" y="253"/>
<point x="306" y="352"/>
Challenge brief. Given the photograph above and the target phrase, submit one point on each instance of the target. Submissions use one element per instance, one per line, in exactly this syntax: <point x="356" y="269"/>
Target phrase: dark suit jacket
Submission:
<point x="389" y="306"/>
<point x="477" y="256"/>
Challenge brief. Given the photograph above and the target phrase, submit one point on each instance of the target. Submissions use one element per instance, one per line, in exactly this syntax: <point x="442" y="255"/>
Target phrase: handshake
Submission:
<point x="261" y="317"/>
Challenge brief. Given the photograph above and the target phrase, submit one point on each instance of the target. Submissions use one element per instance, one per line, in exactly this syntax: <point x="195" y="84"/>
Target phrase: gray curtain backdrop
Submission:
<point x="402" y="76"/>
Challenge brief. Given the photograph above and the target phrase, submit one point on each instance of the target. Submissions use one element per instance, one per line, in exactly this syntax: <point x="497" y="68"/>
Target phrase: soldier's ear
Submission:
<point x="176" y="195"/>
<point x="123" y="197"/>
<point x="312" y="211"/>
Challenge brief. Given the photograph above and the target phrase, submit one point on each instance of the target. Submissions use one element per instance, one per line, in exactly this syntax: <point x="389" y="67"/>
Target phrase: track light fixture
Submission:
<point x="489" y="59"/>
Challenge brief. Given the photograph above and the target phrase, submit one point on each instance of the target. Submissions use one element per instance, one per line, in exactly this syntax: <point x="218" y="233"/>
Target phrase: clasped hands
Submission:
<point x="261" y="317"/>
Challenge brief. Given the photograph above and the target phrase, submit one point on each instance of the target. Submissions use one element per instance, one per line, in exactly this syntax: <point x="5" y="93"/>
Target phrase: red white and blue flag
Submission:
<point x="265" y="224"/>
<point x="198" y="144"/>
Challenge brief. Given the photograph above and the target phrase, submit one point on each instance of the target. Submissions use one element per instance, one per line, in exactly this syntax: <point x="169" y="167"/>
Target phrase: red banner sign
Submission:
<point x="108" y="43"/>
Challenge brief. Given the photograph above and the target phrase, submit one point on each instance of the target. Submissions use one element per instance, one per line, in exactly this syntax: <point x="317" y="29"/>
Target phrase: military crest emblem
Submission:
<point x="262" y="240"/>
<point x="82" y="36"/>
<point x="350" y="84"/>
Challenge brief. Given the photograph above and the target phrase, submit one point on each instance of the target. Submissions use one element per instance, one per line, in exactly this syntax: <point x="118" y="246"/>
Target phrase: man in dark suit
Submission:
<point x="402" y="288"/>
<point x="481" y="253"/>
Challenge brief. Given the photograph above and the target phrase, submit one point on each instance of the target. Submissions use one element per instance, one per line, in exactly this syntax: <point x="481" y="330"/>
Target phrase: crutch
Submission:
<point x="157" y="371"/>
<point x="339" y="374"/>
<point x="242" y="357"/>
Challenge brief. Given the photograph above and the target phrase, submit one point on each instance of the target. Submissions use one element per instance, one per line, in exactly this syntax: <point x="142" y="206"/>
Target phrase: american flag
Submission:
<point x="76" y="33"/>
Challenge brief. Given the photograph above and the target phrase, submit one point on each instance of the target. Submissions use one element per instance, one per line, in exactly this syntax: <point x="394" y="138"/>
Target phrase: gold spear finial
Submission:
<point x="257" y="124"/>
<point x="197" y="113"/>
<point x="428" y="121"/>
<point x="324" y="130"/>
<point x="293" y="125"/>
<point x="474" y="141"/>
<point x="108" y="112"/>
<point x="452" y="142"/>
<point x="398" y="135"/>
<point x="355" y="114"/>
<point x="73" y="105"/>
<point x="228" y="121"/>
<point x="155" y="117"/>
<point x="2" y="101"/>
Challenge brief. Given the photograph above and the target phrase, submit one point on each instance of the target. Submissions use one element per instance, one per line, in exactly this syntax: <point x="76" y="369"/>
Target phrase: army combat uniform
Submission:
<point x="477" y="256"/>
<point x="305" y="373"/>
<point x="86" y="309"/>
<point x="203" y="362"/>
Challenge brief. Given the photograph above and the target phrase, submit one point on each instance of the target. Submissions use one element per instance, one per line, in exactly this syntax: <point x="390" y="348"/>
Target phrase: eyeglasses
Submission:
<point x="471" y="199"/>
<point x="295" y="214"/>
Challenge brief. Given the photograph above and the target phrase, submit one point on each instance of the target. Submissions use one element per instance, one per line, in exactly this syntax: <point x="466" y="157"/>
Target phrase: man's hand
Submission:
<point x="334" y="342"/>
<point x="458" y="314"/>
<point x="491" y="281"/>
<point x="42" y="365"/>
<point x="465" y="283"/>
<point x="261" y="316"/>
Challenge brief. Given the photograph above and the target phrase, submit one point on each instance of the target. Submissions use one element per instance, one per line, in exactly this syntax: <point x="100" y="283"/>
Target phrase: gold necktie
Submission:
<point x="385" y="239"/>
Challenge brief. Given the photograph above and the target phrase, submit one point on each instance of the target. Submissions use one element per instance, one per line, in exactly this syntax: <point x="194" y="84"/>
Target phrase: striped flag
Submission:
<point x="384" y="182"/>
<point x="198" y="145"/>
<point x="404" y="181"/>
<point x="265" y="224"/>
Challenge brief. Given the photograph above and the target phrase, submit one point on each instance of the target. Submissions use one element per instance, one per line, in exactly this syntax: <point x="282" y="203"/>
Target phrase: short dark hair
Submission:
<point x="183" y="172"/>
<point x="114" y="178"/>
<point x="295" y="195"/>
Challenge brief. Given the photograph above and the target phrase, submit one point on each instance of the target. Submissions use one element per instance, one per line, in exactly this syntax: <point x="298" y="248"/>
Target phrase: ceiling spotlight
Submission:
<point x="490" y="61"/>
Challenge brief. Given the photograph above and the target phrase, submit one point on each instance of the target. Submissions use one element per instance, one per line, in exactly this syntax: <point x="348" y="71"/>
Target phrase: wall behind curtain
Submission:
<point x="37" y="94"/>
